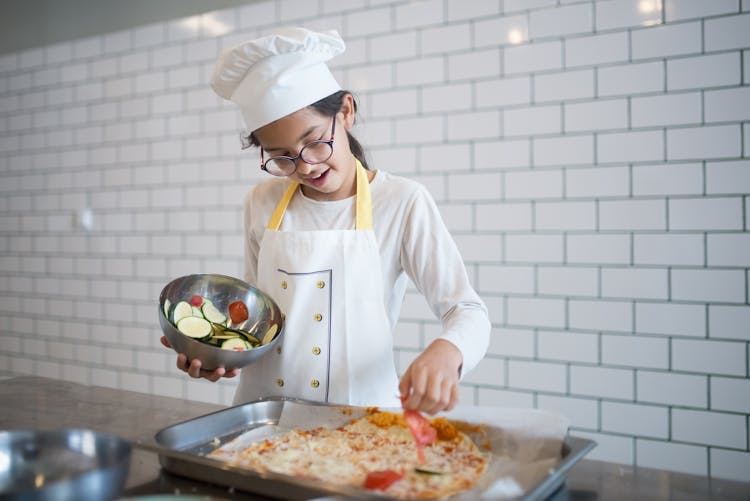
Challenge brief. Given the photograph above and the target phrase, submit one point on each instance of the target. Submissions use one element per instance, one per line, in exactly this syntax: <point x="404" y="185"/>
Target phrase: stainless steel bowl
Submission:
<point x="264" y="314"/>
<point x="60" y="465"/>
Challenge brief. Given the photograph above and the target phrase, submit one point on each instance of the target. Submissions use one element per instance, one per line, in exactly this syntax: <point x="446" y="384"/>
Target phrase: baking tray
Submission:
<point x="182" y="450"/>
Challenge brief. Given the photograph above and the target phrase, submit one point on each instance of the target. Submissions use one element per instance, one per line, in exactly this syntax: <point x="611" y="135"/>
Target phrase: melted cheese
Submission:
<point x="378" y="441"/>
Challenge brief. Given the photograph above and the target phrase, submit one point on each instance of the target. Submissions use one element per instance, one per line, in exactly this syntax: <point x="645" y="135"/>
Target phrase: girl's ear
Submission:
<point x="348" y="111"/>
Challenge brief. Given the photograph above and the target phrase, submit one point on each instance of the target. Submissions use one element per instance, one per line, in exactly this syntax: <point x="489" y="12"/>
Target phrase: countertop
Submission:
<point x="38" y="403"/>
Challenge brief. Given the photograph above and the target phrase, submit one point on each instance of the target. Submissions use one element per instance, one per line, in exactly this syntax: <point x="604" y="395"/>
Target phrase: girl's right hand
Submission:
<point x="194" y="367"/>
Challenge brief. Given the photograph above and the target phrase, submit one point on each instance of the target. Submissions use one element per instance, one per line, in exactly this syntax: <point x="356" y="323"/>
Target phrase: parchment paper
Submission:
<point x="524" y="445"/>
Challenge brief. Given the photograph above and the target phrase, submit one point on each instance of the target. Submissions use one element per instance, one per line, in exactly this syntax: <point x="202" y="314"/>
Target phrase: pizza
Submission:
<point x="377" y="451"/>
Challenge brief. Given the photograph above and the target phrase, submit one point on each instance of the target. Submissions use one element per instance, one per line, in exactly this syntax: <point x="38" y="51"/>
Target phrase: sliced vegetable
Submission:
<point x="270" y="334"/>
<point x="381" y="480"/>
<point x="421" y="430"/>
<point x="425" y="471"/>
<point x="218" y="329"/>
<point x="167" y="307"/>
<point x="212" y="314"/>
<point x="251" y="339"/>
<point x="181" y="310"/>
<point x="236" y="344"/>
<point x="194" y="327"/>
<point x="238" y="312"/>
<point x="213" y="341"/>
<point x="242" y="335"/>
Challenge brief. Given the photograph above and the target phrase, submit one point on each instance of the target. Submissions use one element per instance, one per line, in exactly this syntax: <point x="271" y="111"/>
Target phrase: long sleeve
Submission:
<point x="431" y="259"/>
<point x="252" y="243"/>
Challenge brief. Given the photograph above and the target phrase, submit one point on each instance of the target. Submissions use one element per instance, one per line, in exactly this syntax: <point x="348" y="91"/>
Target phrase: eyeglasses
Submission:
<point x="314" y="152"/>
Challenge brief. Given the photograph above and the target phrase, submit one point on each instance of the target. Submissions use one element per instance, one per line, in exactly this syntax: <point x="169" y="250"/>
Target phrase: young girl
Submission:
<point x="333" y="241"/>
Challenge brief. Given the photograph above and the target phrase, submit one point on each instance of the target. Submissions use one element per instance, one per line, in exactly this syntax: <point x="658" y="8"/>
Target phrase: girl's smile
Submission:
<point x="317" y="180"/>
<point x="333" y="179"/>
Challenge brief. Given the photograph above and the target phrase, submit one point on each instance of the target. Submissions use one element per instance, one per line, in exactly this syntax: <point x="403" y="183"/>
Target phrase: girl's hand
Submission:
<point x="194" y="367"/>
<point x="430" y="384"/>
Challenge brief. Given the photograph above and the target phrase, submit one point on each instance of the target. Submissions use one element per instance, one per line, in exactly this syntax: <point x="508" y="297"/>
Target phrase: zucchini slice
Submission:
<point x="211" y="313"/>
<point x="425" y="471"/>
<point x="213" y="341"/>
<point x="242" y="335"/>
<point x="181" y="310"/>
<point x="167" y="306"/>
<point x="270" y="334"/>
<point x="196" y="312"/>
<point x="218" y="329"/>
<point x="250" y="338"/>
<point x="196" y="328"/>
<point x="236" y="344"/>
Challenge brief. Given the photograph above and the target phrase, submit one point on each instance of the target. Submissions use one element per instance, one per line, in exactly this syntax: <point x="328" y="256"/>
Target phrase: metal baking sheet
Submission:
<point x="183" y="447"/>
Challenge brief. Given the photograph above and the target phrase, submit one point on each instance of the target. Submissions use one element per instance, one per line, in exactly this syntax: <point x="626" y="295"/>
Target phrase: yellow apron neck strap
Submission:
<point x="363" y="205"/>
<point x="278" y="213"/>
<point x="364" y="199"/>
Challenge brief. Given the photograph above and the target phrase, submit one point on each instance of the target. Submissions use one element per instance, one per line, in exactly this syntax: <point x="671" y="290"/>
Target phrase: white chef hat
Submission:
<point x="278" y="74"/>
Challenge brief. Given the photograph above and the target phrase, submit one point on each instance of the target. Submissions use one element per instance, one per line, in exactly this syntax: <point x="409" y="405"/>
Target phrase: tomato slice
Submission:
<point x="196" y="300"/>
<point x="238" y="312"/>
<point x="381" y="480"/>
<point x="421" y="430"/>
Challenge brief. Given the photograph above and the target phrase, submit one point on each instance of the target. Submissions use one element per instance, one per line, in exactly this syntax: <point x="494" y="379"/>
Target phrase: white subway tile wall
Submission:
<point x="591" y="158"/>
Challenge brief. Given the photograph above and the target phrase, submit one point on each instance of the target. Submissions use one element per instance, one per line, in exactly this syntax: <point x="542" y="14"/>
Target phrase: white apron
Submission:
<point x="337" y="344"/>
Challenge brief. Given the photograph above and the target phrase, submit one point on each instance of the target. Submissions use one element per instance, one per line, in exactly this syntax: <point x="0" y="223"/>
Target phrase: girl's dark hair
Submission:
<point x="329" y="106"/>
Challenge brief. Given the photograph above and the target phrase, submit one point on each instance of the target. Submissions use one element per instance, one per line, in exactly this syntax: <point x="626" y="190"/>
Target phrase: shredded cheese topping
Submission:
<point x="376" y="442"/>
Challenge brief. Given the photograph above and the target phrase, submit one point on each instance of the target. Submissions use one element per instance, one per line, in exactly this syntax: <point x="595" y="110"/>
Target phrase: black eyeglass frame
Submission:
<point x="300" y="156"/>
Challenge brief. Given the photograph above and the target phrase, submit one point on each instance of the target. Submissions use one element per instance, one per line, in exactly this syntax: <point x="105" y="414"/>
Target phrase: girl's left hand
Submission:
<point x="430" y="384"/>
<point x="194" y="367"/>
